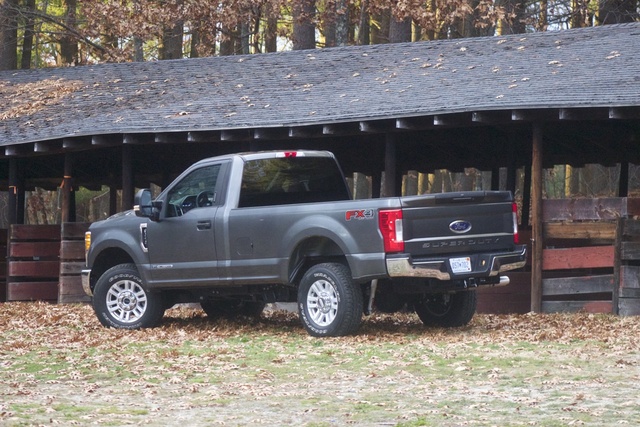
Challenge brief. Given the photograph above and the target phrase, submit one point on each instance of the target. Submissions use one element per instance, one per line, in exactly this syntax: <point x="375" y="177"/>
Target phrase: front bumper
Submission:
<point x="85" y="275"/>
<point x="484" y="265"/>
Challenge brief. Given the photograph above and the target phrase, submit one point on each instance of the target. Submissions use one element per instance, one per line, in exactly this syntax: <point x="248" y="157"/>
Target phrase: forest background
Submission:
<point x="57" y="33"/>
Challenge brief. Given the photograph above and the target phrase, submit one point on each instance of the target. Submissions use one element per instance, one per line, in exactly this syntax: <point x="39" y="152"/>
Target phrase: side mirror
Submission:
<point x="144" y="207"/>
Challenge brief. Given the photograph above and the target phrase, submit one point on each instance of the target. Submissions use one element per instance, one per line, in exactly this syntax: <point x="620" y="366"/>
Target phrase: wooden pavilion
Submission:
<point x="510" y="105"/>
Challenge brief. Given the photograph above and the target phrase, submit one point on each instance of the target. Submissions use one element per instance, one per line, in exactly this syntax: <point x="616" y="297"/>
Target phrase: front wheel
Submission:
<point x="329" y="303"/>
<point x="447" y="310"/>
<point x="120" y="300"/>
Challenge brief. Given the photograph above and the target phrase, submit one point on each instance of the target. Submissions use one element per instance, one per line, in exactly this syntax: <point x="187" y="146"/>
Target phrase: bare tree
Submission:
<point x="8" y="34"/>
<point x="617" y="11"/>
<point x="304" y="27"/>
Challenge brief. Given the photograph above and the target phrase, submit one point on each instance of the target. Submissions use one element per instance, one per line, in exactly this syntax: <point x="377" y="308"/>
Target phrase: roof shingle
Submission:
<point x="592" y="67"/>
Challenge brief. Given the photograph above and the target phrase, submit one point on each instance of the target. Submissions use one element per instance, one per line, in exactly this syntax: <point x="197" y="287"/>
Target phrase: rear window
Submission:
<point x="289" y="180"/>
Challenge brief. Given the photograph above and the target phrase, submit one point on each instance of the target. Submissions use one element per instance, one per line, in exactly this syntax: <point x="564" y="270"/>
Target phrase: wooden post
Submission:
<point x="65" y="209"/>
<point x="536" y="216"/>
<point x="389" y="167"/>
<point x="127" y="177"/>
<point x="16" y="193"/>
<point x="623" y="184"/>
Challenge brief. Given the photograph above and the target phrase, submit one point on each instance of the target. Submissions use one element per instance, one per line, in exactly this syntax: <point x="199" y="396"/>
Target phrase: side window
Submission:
<point x="284" y="181"/>
<point x="195" y="190"/>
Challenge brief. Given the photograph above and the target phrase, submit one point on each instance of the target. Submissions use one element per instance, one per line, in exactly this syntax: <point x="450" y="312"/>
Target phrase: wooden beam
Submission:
<point x="583" y="114"/>
<point x="305" y="131"/>
<point x="236" y="135"/>
<point x="456" y="119"/>
<point x="390" y="167"/>
<point x="491" y="117"/>
<point x="377" y="126"/>
<point x="415" y="123"/>
<point x="624" y="113"/>
<point x="17" y="150"/>
<point x="580" y="230"/>
<point x="66" y="189"/>
<point x="171" y="137"/>
<point x="47" y="146"/>
<point x="341" y="128"/>
<point x="76" y="143"/>
<point x="578" y="285"/>
<point x="203" y="136"/>
<point x="271" y="133"/>
<point x="138" y="138"/>
<point x="537" y="242"/>
<point x="550" y="114"/>
<point x="106" y="140"/>
<point x="127" y="177"/>
<point x="576" y="258"/>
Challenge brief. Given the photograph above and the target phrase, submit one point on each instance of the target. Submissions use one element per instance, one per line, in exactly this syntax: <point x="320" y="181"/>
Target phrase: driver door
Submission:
<point x="182" y="249"/>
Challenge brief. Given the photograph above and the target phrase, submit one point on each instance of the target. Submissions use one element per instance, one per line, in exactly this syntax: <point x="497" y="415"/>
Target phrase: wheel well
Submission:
<point x="310" y="251"/>
<point x="107" y="259"/>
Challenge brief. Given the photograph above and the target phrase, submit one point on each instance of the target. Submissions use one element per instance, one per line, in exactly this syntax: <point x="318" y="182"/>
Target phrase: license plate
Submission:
<point x="460" y="265"/>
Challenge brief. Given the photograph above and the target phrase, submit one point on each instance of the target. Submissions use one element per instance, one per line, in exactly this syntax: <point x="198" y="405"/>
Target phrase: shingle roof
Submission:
<point x="592" y="67"/>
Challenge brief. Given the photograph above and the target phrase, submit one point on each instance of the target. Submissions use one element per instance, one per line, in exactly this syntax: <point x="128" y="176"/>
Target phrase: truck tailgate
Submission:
<point x="457" y="223"/>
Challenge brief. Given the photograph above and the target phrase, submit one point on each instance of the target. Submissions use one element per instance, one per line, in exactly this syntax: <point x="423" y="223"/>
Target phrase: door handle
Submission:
<point x="204" y="225"/>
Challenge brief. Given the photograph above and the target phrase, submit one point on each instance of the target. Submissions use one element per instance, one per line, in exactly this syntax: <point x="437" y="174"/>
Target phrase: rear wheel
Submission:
<point x="447" y="310"/>
<point x="329" y="303"/>
<point x="121" y="301"/>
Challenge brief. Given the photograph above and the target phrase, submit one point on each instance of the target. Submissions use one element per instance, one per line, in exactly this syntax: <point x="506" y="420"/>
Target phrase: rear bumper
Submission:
<point x="483" y="265"/>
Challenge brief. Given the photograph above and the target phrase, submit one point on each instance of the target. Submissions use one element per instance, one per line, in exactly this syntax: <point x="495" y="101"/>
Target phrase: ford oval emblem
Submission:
<point x="460" y="226"/>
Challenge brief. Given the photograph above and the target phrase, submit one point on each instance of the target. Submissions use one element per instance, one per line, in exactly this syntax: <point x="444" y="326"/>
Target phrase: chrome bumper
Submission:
<point x="494" y="264"/>
<point x="86" y="285"/>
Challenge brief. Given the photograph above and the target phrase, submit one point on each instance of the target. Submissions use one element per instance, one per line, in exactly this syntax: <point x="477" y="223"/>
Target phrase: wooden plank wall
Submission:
<point x="71" y="262"/>
<point x="33" y="262"/>
<point x="627" y="269"/>
<point x="578" y="259"/>
<point x="3" y="265"/>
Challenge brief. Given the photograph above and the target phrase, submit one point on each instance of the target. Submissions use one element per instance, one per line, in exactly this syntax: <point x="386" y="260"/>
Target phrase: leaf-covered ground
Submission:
<point x="58" y="366"/>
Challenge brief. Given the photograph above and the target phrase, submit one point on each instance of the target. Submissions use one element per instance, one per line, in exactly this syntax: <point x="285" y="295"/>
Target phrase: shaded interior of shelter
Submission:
<point x="497" y="145"/>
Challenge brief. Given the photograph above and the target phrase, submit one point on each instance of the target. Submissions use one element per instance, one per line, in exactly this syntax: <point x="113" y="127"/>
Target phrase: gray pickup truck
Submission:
<point x="236" y="232"/>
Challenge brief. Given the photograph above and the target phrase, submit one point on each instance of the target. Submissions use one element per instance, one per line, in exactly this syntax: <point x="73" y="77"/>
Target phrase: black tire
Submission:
<point x="447" y="310"/>
<point x="230" y="308"/>
<point x="329" y="303"/>
<point x="121" y="301"/>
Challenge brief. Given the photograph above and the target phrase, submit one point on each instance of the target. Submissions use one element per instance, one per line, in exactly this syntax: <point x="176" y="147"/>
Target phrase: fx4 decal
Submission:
<point x="359" y="214"/>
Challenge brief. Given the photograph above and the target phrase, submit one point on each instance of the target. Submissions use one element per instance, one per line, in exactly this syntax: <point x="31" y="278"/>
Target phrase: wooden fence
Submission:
<point x="44" y="263"/>
<point x="578" y="262"/>
<point x="626" y="294"/>
<point x="71" y="262"/>
<point x="33" y="264"/>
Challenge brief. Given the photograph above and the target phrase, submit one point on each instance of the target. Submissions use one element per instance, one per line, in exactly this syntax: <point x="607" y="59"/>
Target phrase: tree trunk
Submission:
<point x="8" y="35"/>
<point x="27" y="39"/>
<point x="380" y="33"/>
<point x="617" y="11"/>
<point x="304" y="28"/>
<point x="271" y="33"/>
<point x="68" y="43"/>
<point x="171" y="47"/>
<point x="515" y="11"/>
<point x="342" y="22"/>
<point x="399" y="31"/>
<point x="226" y="44"/>
<point x="364" y="32"/>
<point x="543" y="17"/>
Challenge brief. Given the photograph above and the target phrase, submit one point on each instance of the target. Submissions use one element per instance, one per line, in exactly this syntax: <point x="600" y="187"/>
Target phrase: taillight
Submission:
<point x="516" y="236"/>
<point x="390" y="222"/>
